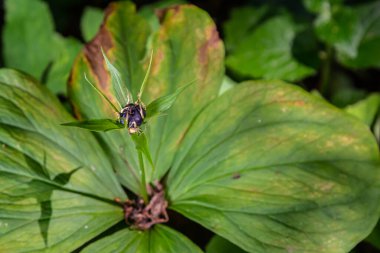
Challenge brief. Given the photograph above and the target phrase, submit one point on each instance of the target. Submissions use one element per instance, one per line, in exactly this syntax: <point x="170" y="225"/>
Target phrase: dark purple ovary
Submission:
<point x="132" y="112"/>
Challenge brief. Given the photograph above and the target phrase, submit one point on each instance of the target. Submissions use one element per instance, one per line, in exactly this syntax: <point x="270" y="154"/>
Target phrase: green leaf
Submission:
<point x="60" y="70"/>
<point x="265" y="165"/>
<point x="317" y="6"/>
<point x="366" y="109"/>
<point x="274" y="169"/>
<point x="29" y="41"/>
<point x="218" y="244"/>
<point x="242" y="20"/>
<point x="90" y="22"/>
<point x="266" y="53"/>
<point x="125" y="39"/>
<point x="164" y="103"/>
<point x="57" y="185"/>
<point x="336" y="27"/>
<point x="97" y="125"/>
<point x="159" y="239"/>
<point x="365" y="39"/>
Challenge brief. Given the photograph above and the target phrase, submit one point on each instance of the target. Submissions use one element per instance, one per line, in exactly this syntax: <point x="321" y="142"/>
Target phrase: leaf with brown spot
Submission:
<point x="176" y="63"/>
<point x="306" y="170"/>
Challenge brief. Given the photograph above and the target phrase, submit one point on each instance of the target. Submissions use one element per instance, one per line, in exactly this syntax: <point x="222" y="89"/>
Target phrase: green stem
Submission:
<point x="144" y="192"/>
<point x="326" y="71"/>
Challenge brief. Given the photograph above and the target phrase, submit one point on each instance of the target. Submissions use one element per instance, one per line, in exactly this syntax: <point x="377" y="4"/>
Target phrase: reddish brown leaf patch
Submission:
<point x="92" y="50"/>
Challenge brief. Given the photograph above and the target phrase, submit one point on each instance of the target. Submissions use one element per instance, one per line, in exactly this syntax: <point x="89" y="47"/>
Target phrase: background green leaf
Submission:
<point x="158" y="239"/>
<point x="266" y="52"/>
<point x="336" y="26"/>
<point x="240" y="24"/>
<point x="57" y="186"/>
<point x="365" y="38"/>
<point x="29" y="41"/>
<point x="267" y="157"/>
<point x="67" y="50"/>
<point x="90" y="22"/>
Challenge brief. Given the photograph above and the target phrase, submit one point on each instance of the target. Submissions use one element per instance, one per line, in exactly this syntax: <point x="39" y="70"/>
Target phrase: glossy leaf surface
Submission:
<point x="58" y="76"/>
<point x="284" y="161"/>
<point x="57" y="186"/>
<point x="90" y="22"/>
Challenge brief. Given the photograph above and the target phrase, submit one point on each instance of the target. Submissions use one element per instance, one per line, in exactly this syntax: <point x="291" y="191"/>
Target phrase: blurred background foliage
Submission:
<point x="329" y="47"/>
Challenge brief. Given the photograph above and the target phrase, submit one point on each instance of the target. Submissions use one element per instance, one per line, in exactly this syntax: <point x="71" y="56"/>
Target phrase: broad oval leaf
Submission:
<point x="58" y="75"/>
<point x="57" y="186"/>
<point x="159" y="239"/>
<point x="273" y="169"/>
<point x="180" y="57"/>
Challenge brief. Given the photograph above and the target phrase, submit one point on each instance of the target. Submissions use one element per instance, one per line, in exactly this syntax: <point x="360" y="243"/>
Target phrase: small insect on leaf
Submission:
<point x="164" y="103"/>
<point x="97" y="125"/>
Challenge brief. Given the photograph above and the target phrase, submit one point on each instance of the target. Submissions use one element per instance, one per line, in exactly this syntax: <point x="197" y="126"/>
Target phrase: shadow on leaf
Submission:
<point x="45" y="185"/>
